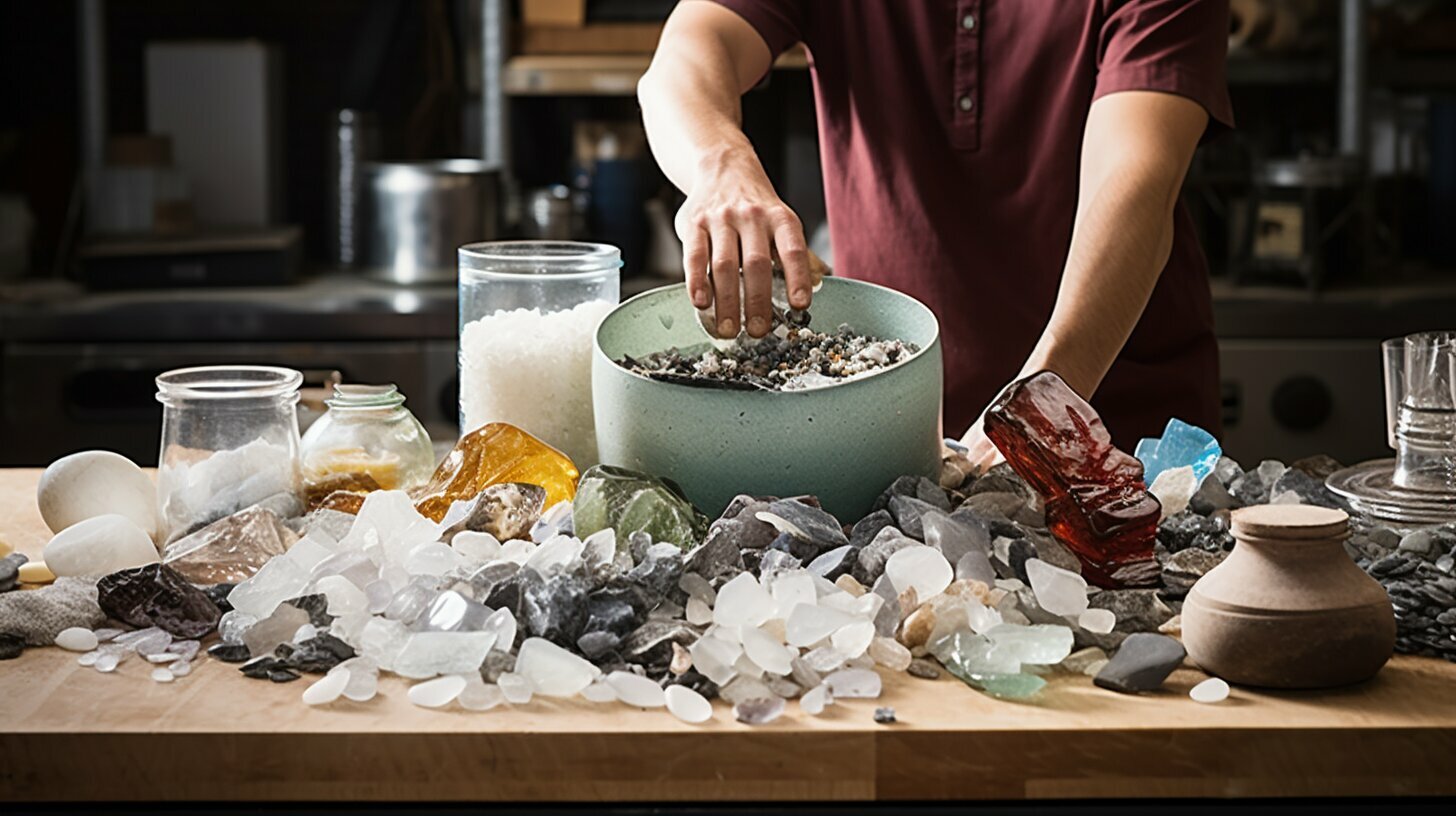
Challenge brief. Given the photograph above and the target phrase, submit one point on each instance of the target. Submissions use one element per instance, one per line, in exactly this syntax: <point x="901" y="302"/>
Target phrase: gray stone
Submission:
<point x="909" y="513"/>
<point x="1308" y="490"/>
<point x="1137" y="610"/>
<point x="924" y="669"/>
<point x="809" y="525"/>
<point x="555" y="609"/>
<point x="1318" y="467"/>
<point x="718" y="556"/>
<point x="1190" y="530"/>
<point x="865" y="530"/>
<point x="871" y="563"/>
<point x="38" y="615"/>
<point x="10" y="570"/>
<point x="1142" y="663"/>
<point x="1183" y="568"/>
<point x="1422" y="544"/>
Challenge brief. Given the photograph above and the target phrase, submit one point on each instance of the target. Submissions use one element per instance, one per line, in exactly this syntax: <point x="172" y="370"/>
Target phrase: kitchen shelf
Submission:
<point x="595" y="74"/>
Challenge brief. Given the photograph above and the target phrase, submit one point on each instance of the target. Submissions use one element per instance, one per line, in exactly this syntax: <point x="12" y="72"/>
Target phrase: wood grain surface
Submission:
<point x="70" y="733"/>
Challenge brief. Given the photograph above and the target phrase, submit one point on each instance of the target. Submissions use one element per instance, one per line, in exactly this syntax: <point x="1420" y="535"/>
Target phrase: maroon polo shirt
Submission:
<point x="950" y="133"/>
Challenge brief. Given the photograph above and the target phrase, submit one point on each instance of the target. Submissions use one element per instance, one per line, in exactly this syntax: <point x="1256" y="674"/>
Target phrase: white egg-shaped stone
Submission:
<point x="95" y="483"/>
<point x="99" y="546"/>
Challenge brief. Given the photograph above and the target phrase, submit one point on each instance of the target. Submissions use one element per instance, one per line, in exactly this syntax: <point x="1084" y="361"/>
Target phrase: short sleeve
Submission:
<point x="1174" y="46"/>
<point x="779" y="22"/>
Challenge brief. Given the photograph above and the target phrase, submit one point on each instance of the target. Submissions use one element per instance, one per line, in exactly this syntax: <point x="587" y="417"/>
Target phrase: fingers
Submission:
<point x="757" y="278"/>
<point x="794" y="255"/>
<point x="695" y="267"/>
<point x="725" y="277"/>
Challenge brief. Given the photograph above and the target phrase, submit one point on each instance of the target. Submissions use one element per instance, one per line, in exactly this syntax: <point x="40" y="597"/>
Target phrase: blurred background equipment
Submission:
<point x="419" y="213"/>
<point x="221" y="105"/>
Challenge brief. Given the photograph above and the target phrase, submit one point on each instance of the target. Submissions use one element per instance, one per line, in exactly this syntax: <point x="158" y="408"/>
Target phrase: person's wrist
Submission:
<point x="728" y="159"/>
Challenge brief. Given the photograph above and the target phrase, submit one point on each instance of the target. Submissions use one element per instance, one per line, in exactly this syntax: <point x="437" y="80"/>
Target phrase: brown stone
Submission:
<point x="917" y="628"/>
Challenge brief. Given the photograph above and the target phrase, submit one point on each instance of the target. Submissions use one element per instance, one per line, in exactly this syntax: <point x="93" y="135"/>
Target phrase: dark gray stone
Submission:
<point x="555" y="609"/>
<point x="909" y="513"/>
<point x="1190" y="530"/>
<point x="717" y="557"/>
<point x="924" y="669"/>
<point x="10" y="570"/>
<point x="1142" y="663"/>
<point x="809" y="525"/>
<point x="865" y="530"/>
<point x="1137" y="610"/>
<point x="11" y="646"/>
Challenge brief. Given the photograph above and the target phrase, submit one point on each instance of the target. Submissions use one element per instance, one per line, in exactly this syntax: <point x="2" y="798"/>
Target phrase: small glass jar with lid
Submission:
<point x="528" y="313"/>
<point x="229" y="441"/>
<point x="366" y="441"/>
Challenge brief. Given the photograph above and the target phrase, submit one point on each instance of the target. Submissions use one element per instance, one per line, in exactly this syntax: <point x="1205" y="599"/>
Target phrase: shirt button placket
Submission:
<point x="964" y="117"/>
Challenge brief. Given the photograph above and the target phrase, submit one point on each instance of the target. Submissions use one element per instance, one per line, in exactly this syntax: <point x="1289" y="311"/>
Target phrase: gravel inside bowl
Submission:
<point x="790" y="359"/>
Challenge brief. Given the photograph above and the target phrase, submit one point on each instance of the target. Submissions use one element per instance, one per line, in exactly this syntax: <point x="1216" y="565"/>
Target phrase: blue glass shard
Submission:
<point x="1181" y="445"/>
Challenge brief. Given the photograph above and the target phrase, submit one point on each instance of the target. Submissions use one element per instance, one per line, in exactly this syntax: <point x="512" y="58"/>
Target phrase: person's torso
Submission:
<point x="950" y="134"/>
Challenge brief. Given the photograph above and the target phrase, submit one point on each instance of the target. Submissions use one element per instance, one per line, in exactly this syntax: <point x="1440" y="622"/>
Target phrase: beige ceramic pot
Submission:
<point x="1288" y="608"/>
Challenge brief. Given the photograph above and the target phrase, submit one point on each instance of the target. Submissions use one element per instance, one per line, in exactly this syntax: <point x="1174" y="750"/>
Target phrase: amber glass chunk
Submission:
<point x="494" y="454"/>
<point x="1096" y="501"/>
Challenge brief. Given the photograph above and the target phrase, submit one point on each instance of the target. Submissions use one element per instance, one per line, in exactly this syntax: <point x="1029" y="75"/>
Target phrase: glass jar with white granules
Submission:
<point x="528" y="310"/>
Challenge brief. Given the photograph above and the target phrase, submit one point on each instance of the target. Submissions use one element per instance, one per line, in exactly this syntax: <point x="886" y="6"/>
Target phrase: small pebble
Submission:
<point x="326" y="690"/>
<point x="480" y="696"/>
<point x="36" y="572"/>
<point x="759" y="710"/>
<point x="815" y="700"/>
<point x="688" y="705"/>
<point x="162" y="675"/>
<point x="885" y="716"/>
<point x="924" y="669"/>
<point x="77" y="639"/>
<point x="1212" y="690"/>
<point x="600" y="691"/>
<point x="432" y="693"/>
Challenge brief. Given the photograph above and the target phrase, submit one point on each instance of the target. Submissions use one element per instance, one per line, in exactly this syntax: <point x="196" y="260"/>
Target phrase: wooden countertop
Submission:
<point x="70" y="733"/>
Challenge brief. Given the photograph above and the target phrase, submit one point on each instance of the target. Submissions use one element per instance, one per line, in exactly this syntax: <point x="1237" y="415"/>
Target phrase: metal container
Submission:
<point x="419" y="213"/>
<point x="843" y="443"/>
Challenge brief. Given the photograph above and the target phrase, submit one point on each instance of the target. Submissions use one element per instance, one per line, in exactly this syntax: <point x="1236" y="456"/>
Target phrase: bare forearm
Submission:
<point x="690" y="98"/>
<point x="1122" y="235"/>
<point x="732" y="219"/>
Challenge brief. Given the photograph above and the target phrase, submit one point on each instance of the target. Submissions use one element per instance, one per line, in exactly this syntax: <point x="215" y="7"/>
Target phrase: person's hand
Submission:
<point x="979" y="448"/>
<point x="733" y="221"/>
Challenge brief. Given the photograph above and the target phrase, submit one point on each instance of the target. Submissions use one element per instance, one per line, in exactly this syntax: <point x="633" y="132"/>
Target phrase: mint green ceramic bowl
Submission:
<point x="844" y="443"/>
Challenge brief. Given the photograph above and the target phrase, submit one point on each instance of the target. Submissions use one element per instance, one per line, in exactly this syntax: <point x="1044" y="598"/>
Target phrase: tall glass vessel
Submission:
<point x="229" y="441"/>
<point x="528" y="310"/>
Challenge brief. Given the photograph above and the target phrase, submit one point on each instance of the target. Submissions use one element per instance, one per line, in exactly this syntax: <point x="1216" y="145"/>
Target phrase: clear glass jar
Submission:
<point x="229" y="441"/>
<point x="528" y="311"/>
<point x="366" y="441"/>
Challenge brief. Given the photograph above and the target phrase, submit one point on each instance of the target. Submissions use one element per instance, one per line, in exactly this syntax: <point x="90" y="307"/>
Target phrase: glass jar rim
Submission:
<point x="357" y="395"/>
<point x="224" y="382"/>
<point x="547" y="258"/>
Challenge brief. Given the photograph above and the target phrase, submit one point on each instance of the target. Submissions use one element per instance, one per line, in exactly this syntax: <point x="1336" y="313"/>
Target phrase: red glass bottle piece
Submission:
<point x="1096" y="501"/>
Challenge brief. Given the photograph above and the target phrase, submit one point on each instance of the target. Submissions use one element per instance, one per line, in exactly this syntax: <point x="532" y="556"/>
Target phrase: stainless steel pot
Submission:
<point x="419" y="213"/>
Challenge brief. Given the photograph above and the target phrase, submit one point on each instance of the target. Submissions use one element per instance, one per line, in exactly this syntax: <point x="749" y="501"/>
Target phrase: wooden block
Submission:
<point x="597" y="38"/>
<point x="570" y="13"/>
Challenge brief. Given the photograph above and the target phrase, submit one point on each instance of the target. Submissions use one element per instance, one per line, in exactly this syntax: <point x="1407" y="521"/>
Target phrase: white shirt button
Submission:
<point x="968" y="22"/>
<point x="966" y="102"/>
